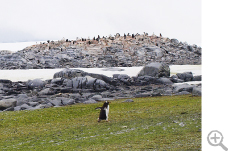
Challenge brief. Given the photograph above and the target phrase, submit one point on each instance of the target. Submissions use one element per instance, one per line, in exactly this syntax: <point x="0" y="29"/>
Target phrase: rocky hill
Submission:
<point x="117" y="51"/>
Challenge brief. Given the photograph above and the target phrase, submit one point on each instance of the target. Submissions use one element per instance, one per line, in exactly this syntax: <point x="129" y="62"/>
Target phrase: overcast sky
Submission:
<point x="31" y="20"/>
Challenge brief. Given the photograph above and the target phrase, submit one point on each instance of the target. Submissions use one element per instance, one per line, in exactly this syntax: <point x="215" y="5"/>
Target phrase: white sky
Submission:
<point x="29" y="20"/>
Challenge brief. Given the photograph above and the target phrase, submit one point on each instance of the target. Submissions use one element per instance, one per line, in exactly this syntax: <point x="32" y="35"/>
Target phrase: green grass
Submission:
<point x="153" y="123"/>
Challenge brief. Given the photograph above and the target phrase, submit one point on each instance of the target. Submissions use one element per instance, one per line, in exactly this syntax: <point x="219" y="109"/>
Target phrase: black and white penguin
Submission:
<point x="104" y="111"/>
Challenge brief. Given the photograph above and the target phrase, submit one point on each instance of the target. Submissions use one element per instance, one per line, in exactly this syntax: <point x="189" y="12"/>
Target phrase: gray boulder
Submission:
<point x="182" y="87"/>
<point x="69" y="102"/>
<point x="143" y="80"/>
<point x="33" y="104"/>
<point x="25" y="107"/>
<point x="155" y="69"/>
<point x="100" y="85"/>
<point x="186" y="76"/>
<point x="196" y="91"/>
<point x="6" y="103"/>
<point x="197" y="78"/>
<point x="22" y="99"/>
<point x="69" y="73"/>
<point x="36" y="83"/>
<point x="56" y="102"/>
<point x="175" y="79"/>
<point x="57" y="81"/>
<point x="165" y="81"/>
<point x="17" y="108"/>
<point x="47" y="91"/>
<point x="124" y="78"/>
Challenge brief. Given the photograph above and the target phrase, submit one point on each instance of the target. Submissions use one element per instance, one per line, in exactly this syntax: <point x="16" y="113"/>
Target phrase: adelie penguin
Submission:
<point x="104" y="111"/>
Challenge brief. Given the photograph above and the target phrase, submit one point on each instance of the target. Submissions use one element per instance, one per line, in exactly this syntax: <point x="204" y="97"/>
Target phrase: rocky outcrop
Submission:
<point x="71" y="86"/>
<point x="103" y="52"/>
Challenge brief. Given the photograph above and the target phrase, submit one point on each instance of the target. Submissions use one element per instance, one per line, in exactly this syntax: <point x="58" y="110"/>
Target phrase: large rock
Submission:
<point x="6" y="103"/>
<point x="196" y="91"/>
<point x="182" y="87"/>
<point x="124" y="78"/>
<point x="69" y="73"/>
<point x="155" y="69"/>
<point x="143" y="80"/>
<point x="165" y="81"/>
<point x="47" y="91"/>
<point x="197" y="78"/>
<point x="36" y="83"/>
<point x="186" y="76"/>
<point x="57" y="81"/>
<point x="25" y="107"/>
<point x="22" y="99"/>
<point x="56" y="102"/>
<point x="100" y="85"/>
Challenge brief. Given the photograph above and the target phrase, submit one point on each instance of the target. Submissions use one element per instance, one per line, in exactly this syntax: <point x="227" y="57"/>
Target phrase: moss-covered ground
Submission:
<point x="153" y="123"/>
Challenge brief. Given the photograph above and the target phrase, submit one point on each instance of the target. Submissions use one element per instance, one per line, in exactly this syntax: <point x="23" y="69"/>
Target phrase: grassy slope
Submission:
<point x="156" y="123"/>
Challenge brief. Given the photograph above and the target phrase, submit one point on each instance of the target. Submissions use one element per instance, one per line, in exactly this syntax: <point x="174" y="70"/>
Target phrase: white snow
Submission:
<point x="44" y="74"/>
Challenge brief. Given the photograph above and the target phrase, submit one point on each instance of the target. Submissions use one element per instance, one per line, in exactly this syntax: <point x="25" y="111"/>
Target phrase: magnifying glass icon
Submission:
<point x="215" y="138"/>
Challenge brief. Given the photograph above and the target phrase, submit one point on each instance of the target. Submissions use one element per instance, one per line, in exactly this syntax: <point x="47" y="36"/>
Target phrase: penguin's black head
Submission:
<point x="106" y="104"/>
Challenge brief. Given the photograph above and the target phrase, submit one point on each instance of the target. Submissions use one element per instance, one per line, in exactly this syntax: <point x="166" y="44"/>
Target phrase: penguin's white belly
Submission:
<point x="107" y="111"/>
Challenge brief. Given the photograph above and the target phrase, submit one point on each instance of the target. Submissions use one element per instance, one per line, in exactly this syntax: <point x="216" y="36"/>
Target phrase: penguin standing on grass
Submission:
<point x="104" y="111"/>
